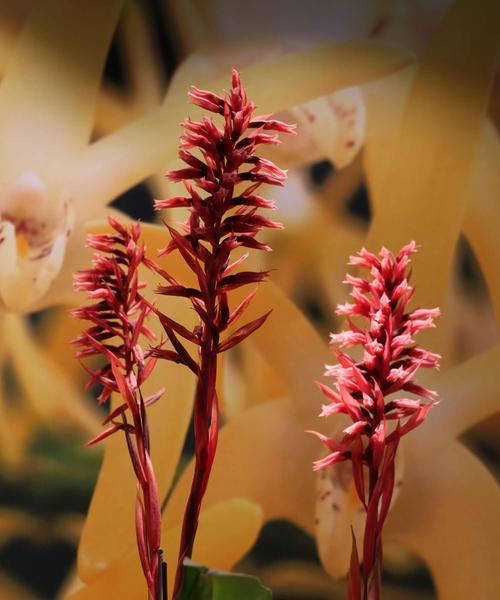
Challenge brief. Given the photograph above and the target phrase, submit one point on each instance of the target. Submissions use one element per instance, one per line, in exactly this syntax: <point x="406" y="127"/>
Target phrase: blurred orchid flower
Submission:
<point x="45" y="126"/>
<point x="55" y="180"/>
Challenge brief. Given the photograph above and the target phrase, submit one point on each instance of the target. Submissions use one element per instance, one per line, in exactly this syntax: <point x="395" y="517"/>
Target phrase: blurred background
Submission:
<point x="46" y="475"/>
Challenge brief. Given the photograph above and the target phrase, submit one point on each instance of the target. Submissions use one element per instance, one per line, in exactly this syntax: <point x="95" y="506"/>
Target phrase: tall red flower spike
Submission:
<point x="221" y="181"/>
<point x="118" y="317"/>
<point x="390" y="360"/>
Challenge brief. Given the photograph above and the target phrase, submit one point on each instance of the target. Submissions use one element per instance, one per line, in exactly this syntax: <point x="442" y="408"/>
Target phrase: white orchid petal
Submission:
<point x="35" y="229"/>
<point x="336" y="124"/>
<point x="8" y="250"/>
<point x="52" y="264"/>
<point x="337" y="509"/>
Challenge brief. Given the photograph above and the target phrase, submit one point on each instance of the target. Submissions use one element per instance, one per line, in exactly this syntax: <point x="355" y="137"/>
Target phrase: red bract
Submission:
<point x="390" y="361"/>
<point x="118" y="317"/>
<point x="221" y="180"/>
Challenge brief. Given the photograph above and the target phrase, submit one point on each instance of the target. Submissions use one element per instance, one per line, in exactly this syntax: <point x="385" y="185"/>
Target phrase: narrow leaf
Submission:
<point x="243" y="278"/>
<point x="354" y="577"/>
<point x="104" y="434"/>
<point x="243" y="332"/>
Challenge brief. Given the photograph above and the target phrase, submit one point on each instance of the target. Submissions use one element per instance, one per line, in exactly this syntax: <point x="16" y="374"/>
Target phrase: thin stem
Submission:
<point x="205" y="427"/>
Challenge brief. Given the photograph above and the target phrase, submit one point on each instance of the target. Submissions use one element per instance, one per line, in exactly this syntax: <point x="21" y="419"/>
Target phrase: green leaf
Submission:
<point x="200" y="583"/>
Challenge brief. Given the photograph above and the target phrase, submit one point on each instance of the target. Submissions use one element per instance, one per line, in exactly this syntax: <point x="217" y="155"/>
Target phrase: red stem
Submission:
<point x="372" y="579"/>
<point x="205" y="423"/>
<point x="152" y="518"/>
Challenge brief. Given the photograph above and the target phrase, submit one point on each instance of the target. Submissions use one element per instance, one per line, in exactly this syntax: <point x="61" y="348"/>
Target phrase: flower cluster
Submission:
<point x="390" y="360"/>
<point x="117" y="318"/>
<point x="221" y="179"/>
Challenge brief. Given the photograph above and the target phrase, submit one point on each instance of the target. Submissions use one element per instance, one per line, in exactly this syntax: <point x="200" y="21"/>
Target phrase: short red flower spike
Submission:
<point x="222" y="176"/>
<point x="389" y="363"/>
<point x="118" y="315"/>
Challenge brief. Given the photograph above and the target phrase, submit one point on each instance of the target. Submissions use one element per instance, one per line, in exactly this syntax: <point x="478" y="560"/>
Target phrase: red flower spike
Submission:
<point x="390" y="361"/>
<point x="117" y="316"/>
<point x="223" y="217"/>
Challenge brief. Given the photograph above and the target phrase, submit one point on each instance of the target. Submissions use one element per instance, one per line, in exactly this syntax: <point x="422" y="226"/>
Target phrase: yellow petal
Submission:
<point x="46" y="104"/>
<point x="265" y="456"/>
<point x="142" y="60"/>
<point x="311" y="257"/>
<point x="52" y="395"/>
<point x="11" y="447"/>
<point x="416" y="196"/>
<point x="448" y="514"/>
<point x="469" y="394"/>
<point x="482" y="217"/>
<point x="58" y="328"/>
<point x="190" y="25"/>
<point x="226" y="532"/>
<point x="385" y="100"/>
<point x="241" y="518"/>
<point x="259" y="380"/>
<point x="290" y="344"/>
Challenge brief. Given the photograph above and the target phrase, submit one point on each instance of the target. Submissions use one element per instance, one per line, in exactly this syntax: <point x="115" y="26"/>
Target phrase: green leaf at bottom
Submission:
<point x="200" y="583"/>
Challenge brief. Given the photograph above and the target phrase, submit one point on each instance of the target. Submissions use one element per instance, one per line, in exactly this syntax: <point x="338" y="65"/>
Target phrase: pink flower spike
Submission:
<point x="355" y="428"/>
<point x="390" y="361"/>
<point x="328" y="461"/>
<point x="329" y="443"/>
